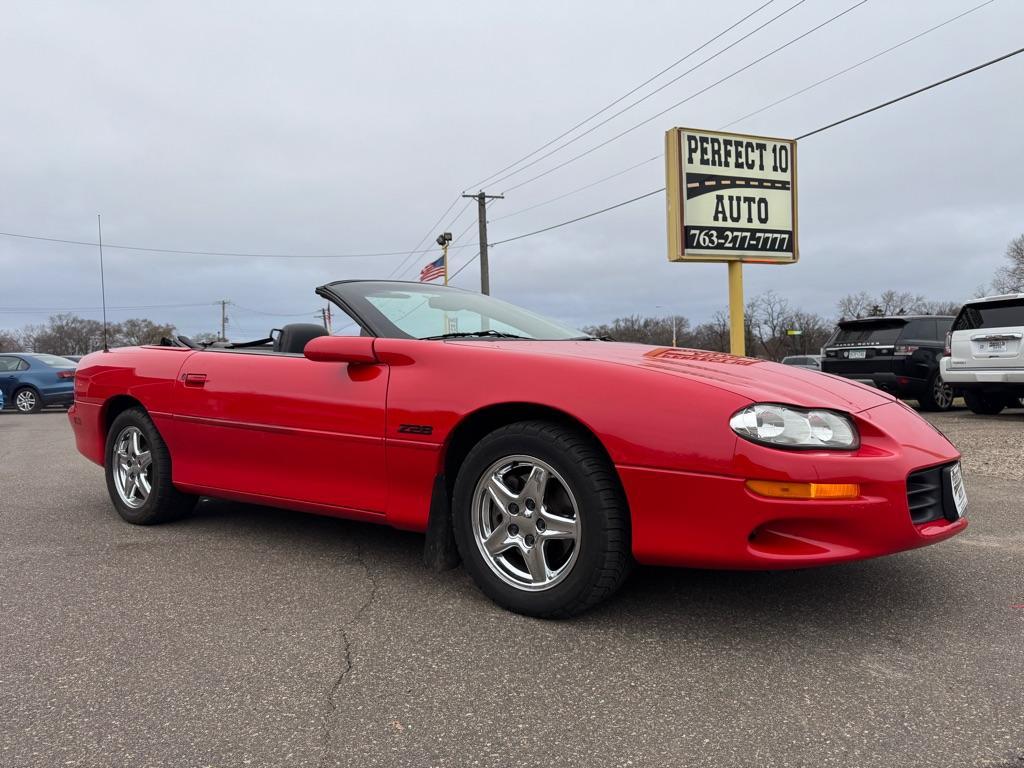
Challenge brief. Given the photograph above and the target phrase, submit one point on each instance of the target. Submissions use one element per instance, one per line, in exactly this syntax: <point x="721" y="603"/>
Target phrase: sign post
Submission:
<point x="731" y="198"/>
<point x="737" y="325"/>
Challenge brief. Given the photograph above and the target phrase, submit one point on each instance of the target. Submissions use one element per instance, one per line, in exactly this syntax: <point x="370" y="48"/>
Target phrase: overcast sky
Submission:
<point x="324" y="128"/>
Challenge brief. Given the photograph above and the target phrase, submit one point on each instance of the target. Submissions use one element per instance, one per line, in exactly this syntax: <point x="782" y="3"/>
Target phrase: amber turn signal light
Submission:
<point x="783" y="490"/>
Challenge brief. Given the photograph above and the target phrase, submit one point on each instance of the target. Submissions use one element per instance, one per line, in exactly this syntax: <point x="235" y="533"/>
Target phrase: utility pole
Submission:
<point x="103" y="282"/>
<point x="224" y="319"/>
<point x="485" y="274"/>
<point x="325" y="315"/>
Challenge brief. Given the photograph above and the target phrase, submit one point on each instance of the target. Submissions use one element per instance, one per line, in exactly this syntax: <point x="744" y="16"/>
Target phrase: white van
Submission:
<point x="985" y="353"/>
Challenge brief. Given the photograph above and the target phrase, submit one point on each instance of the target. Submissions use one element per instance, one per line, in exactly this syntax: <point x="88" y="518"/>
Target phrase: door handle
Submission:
<point x="194" y="379"/>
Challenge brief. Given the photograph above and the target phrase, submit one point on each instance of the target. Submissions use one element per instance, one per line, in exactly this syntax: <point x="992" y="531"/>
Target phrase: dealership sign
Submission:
<point x="731" y="197"/>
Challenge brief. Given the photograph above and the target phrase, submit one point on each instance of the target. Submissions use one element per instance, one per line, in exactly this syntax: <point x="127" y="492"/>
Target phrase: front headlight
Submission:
<point x="783" y="426"/>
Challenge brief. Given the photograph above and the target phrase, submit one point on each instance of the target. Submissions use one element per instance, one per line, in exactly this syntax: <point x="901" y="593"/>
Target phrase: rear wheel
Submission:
<point x="984" y="403"/>
<point x="541" y="521"/>
<point x="27" y="400"/>
<point x="138" y="470"/>
<point x="938" y="396"/>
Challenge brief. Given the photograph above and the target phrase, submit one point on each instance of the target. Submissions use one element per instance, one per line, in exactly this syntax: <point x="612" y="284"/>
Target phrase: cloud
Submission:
<point x="348" y="127"/>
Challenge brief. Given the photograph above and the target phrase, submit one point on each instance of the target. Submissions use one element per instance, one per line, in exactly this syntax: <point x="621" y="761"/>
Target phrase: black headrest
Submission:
<point x="293" y="337"/>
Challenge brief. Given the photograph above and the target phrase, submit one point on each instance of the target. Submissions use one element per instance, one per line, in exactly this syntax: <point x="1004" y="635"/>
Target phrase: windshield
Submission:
<point x="878" y="332"/>
<point x="410" y="310"/>
<point x="991" y="314"/>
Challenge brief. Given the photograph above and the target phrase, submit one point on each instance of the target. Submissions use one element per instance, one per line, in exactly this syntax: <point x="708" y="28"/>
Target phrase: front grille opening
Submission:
<point x="926" y="496"/>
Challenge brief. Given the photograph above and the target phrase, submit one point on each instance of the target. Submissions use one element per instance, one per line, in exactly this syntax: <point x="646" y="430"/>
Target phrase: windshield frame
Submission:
<point x="351" y="297"/>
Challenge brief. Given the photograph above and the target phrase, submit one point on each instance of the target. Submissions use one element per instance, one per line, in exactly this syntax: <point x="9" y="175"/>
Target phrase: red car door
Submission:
<point x="282" y="427"/>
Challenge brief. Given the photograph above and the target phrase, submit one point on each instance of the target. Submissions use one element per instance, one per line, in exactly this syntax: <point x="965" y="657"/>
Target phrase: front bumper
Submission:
<point x="713" y="521"/>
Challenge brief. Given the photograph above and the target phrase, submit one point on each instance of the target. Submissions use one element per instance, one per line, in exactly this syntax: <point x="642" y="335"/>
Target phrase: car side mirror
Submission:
<point x="341" y="349"/>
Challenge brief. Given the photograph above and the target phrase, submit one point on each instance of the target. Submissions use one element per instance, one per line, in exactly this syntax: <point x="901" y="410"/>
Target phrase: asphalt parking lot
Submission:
<point x="249" y="636"/>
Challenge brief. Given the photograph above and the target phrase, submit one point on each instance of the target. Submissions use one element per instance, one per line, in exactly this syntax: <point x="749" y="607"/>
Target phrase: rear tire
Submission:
<point x="938" y="395"/>
<point x="541" y="521"/>
<point x="138" y="470"/>
<point x="27" y="400"/>
<point x="984" y="404"/>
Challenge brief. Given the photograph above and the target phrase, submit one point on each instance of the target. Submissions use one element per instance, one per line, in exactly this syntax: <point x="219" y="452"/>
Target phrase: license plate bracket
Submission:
<point x="992" y="346"/>
<point x="954" y="492"/>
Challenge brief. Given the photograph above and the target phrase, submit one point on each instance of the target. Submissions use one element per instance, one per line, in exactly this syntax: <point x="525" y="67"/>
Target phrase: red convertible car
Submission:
<point x="546" y="459"/>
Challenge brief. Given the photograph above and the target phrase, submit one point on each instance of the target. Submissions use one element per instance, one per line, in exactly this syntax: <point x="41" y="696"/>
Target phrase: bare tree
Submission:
<point x="9" y="342"/>
<point x="644" y="330"/>
<point x="770" y="319"/>
<point x="899" y="303"/>
<point x="814" y="330"/>
<point x="712" y="335"/>
<point x="64" y="335"/>
<point x="1010" y="278"/>
<point x="205" y="337"/>
<point x="854" y="306"/>
<point x="938" y="307"/>
<point x="138" y="331"/>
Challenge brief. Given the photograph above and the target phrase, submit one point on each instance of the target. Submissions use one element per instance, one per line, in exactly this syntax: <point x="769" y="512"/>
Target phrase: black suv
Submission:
<point x="897" y="354"/>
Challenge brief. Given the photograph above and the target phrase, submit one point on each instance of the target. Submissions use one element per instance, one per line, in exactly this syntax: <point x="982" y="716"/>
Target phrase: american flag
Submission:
<point x="432" y="271"/>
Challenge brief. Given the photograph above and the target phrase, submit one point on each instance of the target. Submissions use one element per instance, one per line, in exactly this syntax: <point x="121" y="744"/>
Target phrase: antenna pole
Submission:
<point x="103" y="282"/>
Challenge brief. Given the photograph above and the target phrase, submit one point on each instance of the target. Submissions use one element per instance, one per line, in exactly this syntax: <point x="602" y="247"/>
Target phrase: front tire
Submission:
<point x="138" y="470"/>
<point x="984" y="404"/>
<point x="27" y="400"/>
<point x="938" y="395"/>
<point x="541" y="521"/>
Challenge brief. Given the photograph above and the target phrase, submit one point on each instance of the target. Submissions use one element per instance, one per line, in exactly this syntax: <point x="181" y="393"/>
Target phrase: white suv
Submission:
<point x="985" y="353"/>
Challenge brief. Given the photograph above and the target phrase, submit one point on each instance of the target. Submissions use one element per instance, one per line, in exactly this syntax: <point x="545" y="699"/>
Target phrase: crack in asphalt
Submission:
<point x="346" y="656"/>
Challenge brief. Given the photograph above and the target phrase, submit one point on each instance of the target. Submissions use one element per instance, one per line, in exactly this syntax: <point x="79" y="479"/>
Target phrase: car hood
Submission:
<point x="757" y="380"/>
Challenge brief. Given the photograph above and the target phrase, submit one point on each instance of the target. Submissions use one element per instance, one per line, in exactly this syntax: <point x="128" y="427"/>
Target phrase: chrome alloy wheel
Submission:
<point x="25" y="401"/>
<point x="526" y="523"/>
<point x="133" y="467"/>
<point x="942" y="393"/>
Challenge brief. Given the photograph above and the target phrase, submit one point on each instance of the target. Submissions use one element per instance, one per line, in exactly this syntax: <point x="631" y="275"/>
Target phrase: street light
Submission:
<point x="444" y="240"/>
<point x="662" y="306"/>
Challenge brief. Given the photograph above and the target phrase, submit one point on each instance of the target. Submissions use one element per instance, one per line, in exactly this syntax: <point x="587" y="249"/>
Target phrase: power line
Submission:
<point x="914" y="93"/>
<point x="625" y="96"/>
<point x="587" y="186"/>
<point x="459" y="236"/>
<point x="145" y="249"/>
<point x="580" y="218"/>
<point x="758" y="111"/>
<point x="860" y="63"/>
<point x="662" y="87"/>
<point x="406" y="265"/>
<point x="457" y="271"/>
<point x="16" y="310"/>
<point x="430" y="231"/>
<point x="273" y="314"/>
<point x="688" y="98"/>
<point x="802" y="136"/>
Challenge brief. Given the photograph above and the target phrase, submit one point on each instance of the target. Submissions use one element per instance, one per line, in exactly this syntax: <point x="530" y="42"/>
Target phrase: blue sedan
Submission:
<point x="30" y="381"/>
